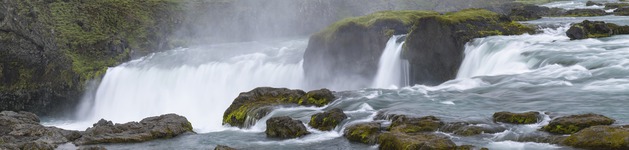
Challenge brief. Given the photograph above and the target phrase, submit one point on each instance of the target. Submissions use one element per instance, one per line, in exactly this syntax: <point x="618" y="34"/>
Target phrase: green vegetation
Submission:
<point x="600" y="137"/>
<point x="516" y="118"/>
<point x="469" y="15"/>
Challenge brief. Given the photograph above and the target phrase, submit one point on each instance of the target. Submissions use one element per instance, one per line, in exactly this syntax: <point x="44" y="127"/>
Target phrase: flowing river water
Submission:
<point x="544" y="72"/>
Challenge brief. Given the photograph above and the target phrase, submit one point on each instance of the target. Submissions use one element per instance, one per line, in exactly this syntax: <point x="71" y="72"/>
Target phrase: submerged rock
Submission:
<point x="600" y="137"/>
<point x="366" y="133"/>
<point x="258" y="102"/>
<point x="401" y="141"/>
<point x="585" y="12"/>
<point x="517" y="118"/>
<point x="223" y="147"/>
<point x="404" y="124"/>
<point x="328" y="120"/>
<point x="164" y="126"/>
<point x="285" y="128"/>
<point x="575" y="123"/>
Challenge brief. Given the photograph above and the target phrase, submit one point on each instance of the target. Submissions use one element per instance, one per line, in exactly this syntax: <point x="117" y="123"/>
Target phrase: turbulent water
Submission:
<point x="544" y="72"/>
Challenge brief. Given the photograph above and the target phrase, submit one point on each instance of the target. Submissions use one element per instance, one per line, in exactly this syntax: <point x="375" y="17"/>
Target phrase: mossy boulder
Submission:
<point x="615" y="5"/>
<point x="285" y="127"/>
<point x="405" y="124"/>
<point x="523" y="12"/>
<point x="600" y="137"/>
<point x="223" y="147"/>
<point x="402" y="141"/>
<point x="468" y="129"/>
<point x="575" y="123"/>
<point x="595" y="29"/>
<point x="622" y="11"/>
<point x="366" y="133"/>
<point x="591" y="3"/>
<point x="328" y="120"/>
<point x="250" y="106"/>
<point x="151" y="128"/>
<point x="517" y="118"/>
<point x="585" y="12"/>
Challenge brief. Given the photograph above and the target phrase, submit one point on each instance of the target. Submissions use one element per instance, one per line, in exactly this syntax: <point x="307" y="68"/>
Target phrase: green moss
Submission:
<point x="469" y="15"/>
<point x="561" y="129"/>
<point x="600" y="137"/>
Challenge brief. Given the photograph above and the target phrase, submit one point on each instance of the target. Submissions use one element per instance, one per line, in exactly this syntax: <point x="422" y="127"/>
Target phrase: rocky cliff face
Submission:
<point x="351" y="48"/>
<point x="50" y="49"/>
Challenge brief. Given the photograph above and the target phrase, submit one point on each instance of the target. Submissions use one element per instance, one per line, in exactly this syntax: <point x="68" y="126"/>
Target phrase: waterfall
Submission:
<point x="188" y="83"/>
<point x="392" y="70"/>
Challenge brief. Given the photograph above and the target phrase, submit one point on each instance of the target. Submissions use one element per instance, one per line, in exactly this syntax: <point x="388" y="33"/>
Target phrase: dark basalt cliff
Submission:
<point x="50" y="49"/>
<point x="434" y="47"/>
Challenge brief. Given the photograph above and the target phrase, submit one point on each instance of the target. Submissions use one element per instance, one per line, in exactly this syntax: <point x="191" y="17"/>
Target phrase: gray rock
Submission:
<point x="328" y="120"/>
<point x="285" y="128"/>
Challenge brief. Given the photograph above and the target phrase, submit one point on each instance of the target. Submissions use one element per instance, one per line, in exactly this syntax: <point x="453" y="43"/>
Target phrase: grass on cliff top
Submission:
<point x="468" y="15"/>
<point x="405" y="16"/>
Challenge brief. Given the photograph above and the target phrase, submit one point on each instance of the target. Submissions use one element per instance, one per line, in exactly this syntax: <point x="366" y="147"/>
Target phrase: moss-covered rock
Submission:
<point x="600" y="137"/>
<point x="328" y="120"/>
<point x="366" y="133"/>
<point x="585" y="12"/>
<point x="591" y="3"/>
<point x="595" y="29"/>
<point x="52" y="48"/>
<point x="223" y="147"/>
<point x="401" y="141"/>
<point x="517" y="118"/>
<point x="467" y="129"/>
<point x="622" y="11"/>
<point x="575" y="123"/>
<point x="615" y="5"/>
<point x="523" y="12"/>
<point x="285" y="128"/>
<point x="405" y="124"/>
<point x="151" y="128"/>
<point x="250" y="106"/>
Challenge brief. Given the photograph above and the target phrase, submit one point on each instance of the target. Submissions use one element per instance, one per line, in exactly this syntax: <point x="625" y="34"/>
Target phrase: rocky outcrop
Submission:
<point x="164" y="126"/>
<point x="405" y="124"/>
<point x="585" y="12"/>
<point x="401" y="141"/>
<point x="622" y="11"/>
<point x="21" y="130"/>
<point x="595" y="29"/>
<point x="470" y="129"/>
<point x="258" y="102"/>
<point x="615" y="5"/>
<point x="575" y="123"/>
<point x="50" y="49"/>
<point x="591" y="3"/>
<point x="517" y="118"/>
<point x="223" y="147"/>
<point x="366" y="133"/>
<point x="328" y="120"/>
<point x="351" y="48"/>
<point x="600" y="137"/>
<point x="285" y="128"/>
<point x="524" y="12"/>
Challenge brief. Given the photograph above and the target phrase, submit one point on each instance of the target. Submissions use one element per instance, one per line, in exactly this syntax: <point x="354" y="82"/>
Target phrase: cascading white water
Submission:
<point x="392" y="70"/>
<point x="200" y="91"/>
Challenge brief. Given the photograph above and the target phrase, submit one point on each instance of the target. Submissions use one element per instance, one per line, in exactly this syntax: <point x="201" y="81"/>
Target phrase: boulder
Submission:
<point x="159" y="127"/>
<point x="591" y="3"/>
<point x="21" y="130"/>
<point x="517" y="118"/>
<point x="575" y="123"/>
<point x="405" y="124"/>
<point x="615" y="5"/>
<point x="223" y="147"/>
<point x="585" y="12"/>
<point x="92" y="148"/>
<point x="285" y="128"/>
<point x="600" y="137"/>
<point x="366" y="133"/>
<point x="402" y="141"/>
<point x="468" y="129"/>
<point x="328" y="120"/>
<point x="523" y="12"/>
<point x="622" y="11"/>
<point x="258" y="102"/>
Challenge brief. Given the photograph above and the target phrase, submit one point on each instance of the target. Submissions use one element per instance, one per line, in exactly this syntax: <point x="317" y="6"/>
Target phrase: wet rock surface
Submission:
<point x="366" y="133"/>
<point x="21" y="130"/>
<point x="517" y="118"/>
<point x="575" y="123"/>
<point x="285" y="128"/>
<point x="600" y="137"/>
<point x="328" y="120"/>
<point x="595" y="29"/>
